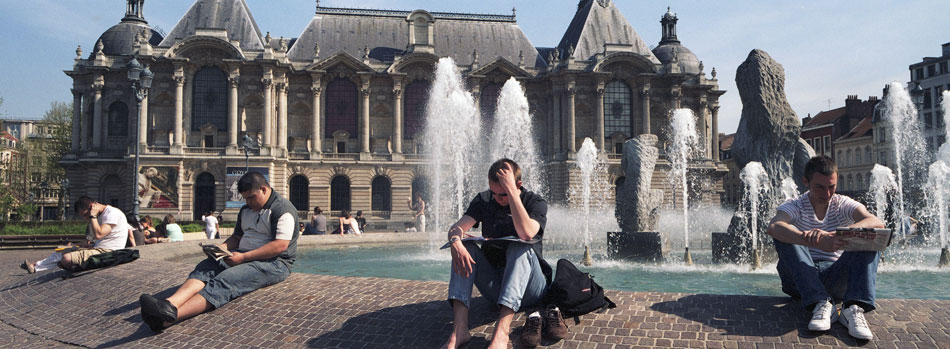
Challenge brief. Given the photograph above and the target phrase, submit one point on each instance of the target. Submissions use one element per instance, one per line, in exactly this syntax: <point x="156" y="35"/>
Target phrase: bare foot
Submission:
<point x="457" y="340"/>
<point x="499" y="341"/>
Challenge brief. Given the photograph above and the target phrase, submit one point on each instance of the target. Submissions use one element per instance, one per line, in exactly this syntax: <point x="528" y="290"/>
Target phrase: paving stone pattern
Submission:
<point x="100" y="309"/>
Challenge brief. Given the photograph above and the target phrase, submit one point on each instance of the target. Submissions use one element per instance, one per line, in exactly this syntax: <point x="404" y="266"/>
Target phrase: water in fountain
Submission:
<point x="513" y="135"/>
<point x="904" y="129"/>
<point x="451" y="129"/>
<point x="938" y="192"/>
<point x="683" y="144"/>
<point x="756" y="182"/>
<point x="944" y="152"/>
<point x="883" y="185"/>
<point x="587" y="159"/>
<point x="789" y="189"/>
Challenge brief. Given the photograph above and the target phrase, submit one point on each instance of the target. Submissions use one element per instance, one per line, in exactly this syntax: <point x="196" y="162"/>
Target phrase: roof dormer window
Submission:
<point x="420" y="31"/>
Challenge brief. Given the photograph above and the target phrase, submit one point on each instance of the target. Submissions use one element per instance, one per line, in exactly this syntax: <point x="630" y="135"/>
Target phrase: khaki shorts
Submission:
<point x="80" y="256"/>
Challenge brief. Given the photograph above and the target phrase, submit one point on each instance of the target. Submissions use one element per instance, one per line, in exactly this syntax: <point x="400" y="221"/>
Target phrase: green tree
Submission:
<point x="59" y="119"/>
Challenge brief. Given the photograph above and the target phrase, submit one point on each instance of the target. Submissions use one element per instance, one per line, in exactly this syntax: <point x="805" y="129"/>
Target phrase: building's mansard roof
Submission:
<point x="231" y="15"/>
<point x="599" y="22"/>
<point x="386" y="33"/>
<point x="119" y="39"/>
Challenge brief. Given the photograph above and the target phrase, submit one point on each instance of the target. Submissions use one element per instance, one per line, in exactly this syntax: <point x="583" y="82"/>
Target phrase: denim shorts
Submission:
<point x="224" y="283"/>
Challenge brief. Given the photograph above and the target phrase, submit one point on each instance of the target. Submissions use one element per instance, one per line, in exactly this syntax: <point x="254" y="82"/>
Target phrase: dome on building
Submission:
<point x="119" y="39"/>
<point x="687" y="61"/>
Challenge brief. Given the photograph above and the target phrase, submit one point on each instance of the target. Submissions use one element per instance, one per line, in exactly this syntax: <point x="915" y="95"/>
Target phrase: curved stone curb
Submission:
<point x="100" y="309"/>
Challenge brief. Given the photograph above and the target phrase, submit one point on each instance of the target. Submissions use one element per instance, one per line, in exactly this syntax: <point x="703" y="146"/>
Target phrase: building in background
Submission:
<point x="855" y="158"/>
<point x="933" y="76"/>
<point x="338" y="108"/>
<point x="731" y="185"/>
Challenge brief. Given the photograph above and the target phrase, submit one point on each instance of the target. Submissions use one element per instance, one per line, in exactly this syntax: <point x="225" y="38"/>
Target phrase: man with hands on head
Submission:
<point x="263" y="247"/>
<point x="510" y="274"/>
<point x="811" y="265"/>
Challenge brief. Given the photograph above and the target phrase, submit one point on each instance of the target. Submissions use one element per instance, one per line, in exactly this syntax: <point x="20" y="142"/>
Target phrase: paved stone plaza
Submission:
<point x="100" y="309"/>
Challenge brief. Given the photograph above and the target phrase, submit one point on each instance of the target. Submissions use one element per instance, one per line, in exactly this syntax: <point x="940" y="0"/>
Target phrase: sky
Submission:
<point x="829" y="49"/>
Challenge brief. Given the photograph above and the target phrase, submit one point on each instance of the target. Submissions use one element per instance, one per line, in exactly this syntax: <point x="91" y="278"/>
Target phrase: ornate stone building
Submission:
<point x="338" y="109"/>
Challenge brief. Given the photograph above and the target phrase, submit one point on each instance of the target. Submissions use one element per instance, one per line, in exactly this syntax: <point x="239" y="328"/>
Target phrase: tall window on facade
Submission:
<point x="342" y="101"/>
<point x="382" y="194"/>
<point x="299" y="192"/>
<point x="340" y="193"/>
<point x="617" y="109"/>
<point x="118" y="119"/>
<point x="209" y="99"/>
<point x="488" y="103"/>
<point x="414" y="104"/>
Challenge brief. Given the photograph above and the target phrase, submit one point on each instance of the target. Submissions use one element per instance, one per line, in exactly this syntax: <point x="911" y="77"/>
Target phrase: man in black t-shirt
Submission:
<point x="510" y="273"/>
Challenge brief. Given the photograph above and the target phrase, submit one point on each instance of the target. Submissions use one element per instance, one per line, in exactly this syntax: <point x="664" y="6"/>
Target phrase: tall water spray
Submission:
<point x="938" y="193"/>
<point x="944" y="152"/>
<point x="587" y="158"/>
<point x="789" y="189"/>
<point x="756" y="182"/>
<point x="684" y="141"/>
<point x="513" y="135"/>
<point x="904" y="130"/>
<point x="883" y="185"/>
<point x="451" y="131"/>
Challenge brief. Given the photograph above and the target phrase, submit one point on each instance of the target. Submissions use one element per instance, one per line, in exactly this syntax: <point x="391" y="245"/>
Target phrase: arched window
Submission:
<point x="848" y="158"/>
<point x="850" y="183"/>
<point x="420" y="186"/>
<point x="209" y="99"/>
<point x="867" y="155"/>
<point x="488" y="102"/>
<point x="342" y="101"/>
<point x="382" y="194"/>
<point x="340" y="193"/>
<point x="118" y="119"/>
<point x="204" y="195"/>
<point x="299" y="192"/>
<point x="414" y="105"/>
<point x="618" y="112"/>
<point x="859" y="184"/>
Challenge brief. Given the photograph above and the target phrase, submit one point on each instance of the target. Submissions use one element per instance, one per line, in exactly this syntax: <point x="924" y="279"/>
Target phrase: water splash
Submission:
<point x="513" y="135"/>
<point x="587" y="159"/>
<point x="452" y="127"/>
<point x="683" y="144"/>
<point x="938" y="184"/>
<point x="756" y="182"/>
<point x="883" y="185"/>
<point x="789" y="189"/>
<point x="944" y="152"/>
<point x="904" y="129"/>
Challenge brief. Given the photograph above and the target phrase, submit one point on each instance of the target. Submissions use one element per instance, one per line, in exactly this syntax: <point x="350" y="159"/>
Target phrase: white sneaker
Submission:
<point x="821" y="316"/>
<point x="853" y="319"/>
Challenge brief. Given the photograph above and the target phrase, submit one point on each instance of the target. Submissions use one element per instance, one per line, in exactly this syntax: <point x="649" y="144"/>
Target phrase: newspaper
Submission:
<point x="214" y="251"/>
<point x="865" y="239"/>
<point x="482" y="239"/>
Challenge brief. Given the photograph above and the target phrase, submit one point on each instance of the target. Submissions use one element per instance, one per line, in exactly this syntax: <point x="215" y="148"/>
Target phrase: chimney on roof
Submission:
<point x="946" y="49"/>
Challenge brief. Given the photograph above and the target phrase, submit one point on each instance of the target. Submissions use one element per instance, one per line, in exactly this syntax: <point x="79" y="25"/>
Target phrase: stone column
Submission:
<point x="268" y="106"/>
<point x="233" y="83"/>
<point x="364" y="118"/>
<point x="715" y="132"/>
<point x="600" y="117"/>
<point x="179" y="111"/>
<point x="316" y="138"/>
<point x="97" y="117"/>
<point x="558" y="121"/>
<point x="84" y="141"/>
<point x="282" y="116"/>
<point x="701" y="130"/>
<point x="645" y="95"/>
<point x="397" y="116"/>
<point x="571" y="121"/>
<point x="143" y="124"/>
<point x="77" y="120"/>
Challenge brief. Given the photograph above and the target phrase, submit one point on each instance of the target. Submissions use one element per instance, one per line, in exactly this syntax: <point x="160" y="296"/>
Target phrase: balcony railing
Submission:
<point x="204" y="151"/>
<point x="342" y="156"/>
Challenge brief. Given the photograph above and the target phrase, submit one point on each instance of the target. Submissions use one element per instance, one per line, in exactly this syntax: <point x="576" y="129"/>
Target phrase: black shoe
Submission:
<point x="554" y="325"/>
<point x="531" y="332"/>
<point x="158" y="308"/>
<point x="155" y="324"/>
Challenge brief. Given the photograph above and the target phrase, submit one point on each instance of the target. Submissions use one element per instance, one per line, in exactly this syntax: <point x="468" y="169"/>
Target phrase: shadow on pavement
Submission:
<point x="133" y="315"/>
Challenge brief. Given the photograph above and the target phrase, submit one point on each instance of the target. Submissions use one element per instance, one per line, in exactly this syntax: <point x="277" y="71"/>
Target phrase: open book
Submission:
<point x="865" y="239"/>
<point x="482" y="239"/>
<point x="214" y="251"/>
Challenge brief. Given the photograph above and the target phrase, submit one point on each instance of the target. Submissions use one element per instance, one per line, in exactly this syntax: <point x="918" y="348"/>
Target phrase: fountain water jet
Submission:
<point x="789" y="189"/>
<point x="683" y="144"/>
<point x="452" y="127"/>
<point x="883" y="185"/>
<point x="513" y="135"/>
<point x="903" y="126"/>
<point x="756" y="182"/>
<point x="937" y="183"/>
<point x="587" y="159"/>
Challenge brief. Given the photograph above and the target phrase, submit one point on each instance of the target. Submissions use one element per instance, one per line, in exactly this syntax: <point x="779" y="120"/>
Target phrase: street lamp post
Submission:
<point x="141" y="80"/>
<point x="247" y="143"/>
<point x="62" y="198"/>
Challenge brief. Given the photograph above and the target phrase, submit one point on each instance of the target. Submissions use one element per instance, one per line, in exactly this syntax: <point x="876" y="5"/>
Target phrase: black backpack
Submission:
<point x="575" y="293"/>
<point x="108" y="259"/>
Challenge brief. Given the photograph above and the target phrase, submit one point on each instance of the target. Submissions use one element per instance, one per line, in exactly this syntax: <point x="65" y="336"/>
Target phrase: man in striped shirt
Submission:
<point x="811" y="264"/>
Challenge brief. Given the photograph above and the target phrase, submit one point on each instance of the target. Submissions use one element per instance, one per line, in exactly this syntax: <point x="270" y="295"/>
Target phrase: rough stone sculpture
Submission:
<point x="768" y="133"/>
<point x="637" y="204"/>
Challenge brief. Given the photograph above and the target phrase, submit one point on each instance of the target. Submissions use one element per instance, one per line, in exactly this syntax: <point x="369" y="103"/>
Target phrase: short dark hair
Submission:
<point x="498" y="165"/>
<point x="820" y="164"/>
<point x="345" y="213"/>
<point x="169" y="219"/>
<point x="317" y="210"/>
<point x="84" y="203"/>
<point x="251" y="180"/>
<point x="359" y="213"/>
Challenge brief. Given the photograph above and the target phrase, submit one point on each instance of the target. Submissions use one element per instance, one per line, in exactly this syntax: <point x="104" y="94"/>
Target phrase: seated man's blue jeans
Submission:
<point x="851" y="278"/>
<point x="224" y="283"/>
<point x="520" y="282"/>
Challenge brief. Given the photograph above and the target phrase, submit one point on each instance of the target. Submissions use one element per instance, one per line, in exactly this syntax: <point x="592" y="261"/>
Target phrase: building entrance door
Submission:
<point x="204" y="195"/>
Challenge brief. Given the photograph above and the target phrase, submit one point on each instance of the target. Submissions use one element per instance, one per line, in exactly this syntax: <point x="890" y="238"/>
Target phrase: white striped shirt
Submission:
<point x="839" y="214"/>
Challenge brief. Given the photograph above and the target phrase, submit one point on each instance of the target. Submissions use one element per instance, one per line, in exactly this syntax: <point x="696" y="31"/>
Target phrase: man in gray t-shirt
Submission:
<point x="318" y="225"/>
<point x="811" y="264"/>
<point x="263" y="247"/>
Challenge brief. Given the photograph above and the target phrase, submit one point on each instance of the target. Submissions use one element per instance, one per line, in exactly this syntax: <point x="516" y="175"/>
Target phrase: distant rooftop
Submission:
<point x="404" y="14"/>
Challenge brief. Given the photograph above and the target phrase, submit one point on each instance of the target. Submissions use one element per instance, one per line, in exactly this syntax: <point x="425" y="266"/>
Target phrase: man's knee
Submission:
<point x="516" y="250"/>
